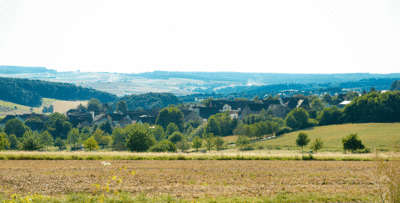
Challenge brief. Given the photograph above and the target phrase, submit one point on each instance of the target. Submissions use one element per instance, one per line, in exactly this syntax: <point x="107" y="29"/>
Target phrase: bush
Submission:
<point x="351" y="142"/>
<point x="260" y="147"/>
<point x="363" y="151"/>
<point x="284" y="130"/>
<point x="312" y="122"/>
<point x="163" y="146"/>
<point x="278" y="148"/>
<point x="247" y="148"/>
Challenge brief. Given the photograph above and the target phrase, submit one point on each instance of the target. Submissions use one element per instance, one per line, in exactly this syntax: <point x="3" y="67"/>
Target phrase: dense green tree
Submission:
<point x="3" y="141"/>
<point x="46" y="139"/>
<point x="59" y="143"/>
<point x="58" y="126"/>
<point x="1" y="128"/>
<point x="139" y="141"/>
<point x="317" y="105"/>
<point x="15" y="126"/>
<point x="248" y="131"/>
<point x="31" y="141"/>
<point x="209" y="137"/>
<point x="106" y="127"/>
<point x="94" y="105"/>
<point x="317" y="145"/>
<point x="170" y="115"/>
<point x="218" y="143"/>
<point x="171" y="128"/>
<point x="302" y="140"/>
<point x="330" y="116"/>
<point x="183" y="145"/>
<point x="351" y="142"/>
<point x="105" y="141"/>
<point x="327" y="98"/>
<point x="300" y="118"/>
<point x="90" y="144"/>
<point x="212" y="127"/>
<point x="98" y="134"/>
<point x="119" y="139"/>
<point x="122" y="107"/>
<point x="197" y="143"/>
<point x="373" y="107"/>
<point x="13" y="141"/>
<point x="175" y="137"/>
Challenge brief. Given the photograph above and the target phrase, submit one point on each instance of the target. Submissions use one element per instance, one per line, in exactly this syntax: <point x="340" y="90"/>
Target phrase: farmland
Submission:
<point x="273" y="180"/>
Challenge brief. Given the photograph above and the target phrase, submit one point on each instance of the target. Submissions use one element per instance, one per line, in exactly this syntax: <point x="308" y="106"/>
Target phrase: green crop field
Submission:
<point x="383" y="136"/>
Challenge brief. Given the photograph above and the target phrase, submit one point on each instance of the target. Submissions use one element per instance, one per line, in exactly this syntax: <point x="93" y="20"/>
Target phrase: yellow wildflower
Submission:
<point x="114" y="177"/>
<point x="133" y="172"/>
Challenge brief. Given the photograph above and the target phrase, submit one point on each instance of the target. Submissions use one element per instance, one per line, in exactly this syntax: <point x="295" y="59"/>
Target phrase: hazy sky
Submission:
<point x="286" y="36"/>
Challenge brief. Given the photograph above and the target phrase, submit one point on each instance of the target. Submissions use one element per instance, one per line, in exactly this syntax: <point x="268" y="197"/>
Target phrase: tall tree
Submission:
<point x="302" y="140"/>
<point x="300" y="117"/>
<point x="209" y="141"/>
<point x="122" y="107"/>
<point x="119" y="139"/>
<point x="3" y="141"/>
<point x="171" y="115"/>
<point x="15" y="126"/>
<point x="317" y="105"/>
<point x="139" y="141"/>
<point x="46" y="139"/>
<point x="212" y="127"/>
<point x="372" y="90"/>
<point x="218" y="143"/>
<point x="317" y="144"/>
<point x="73" y="137"/>
<point x="327" y="98"/>
<point x="106" y="127"/>
<point x="94" y="105"/>
<point x="197" y="143"/>
<point x="351" y="142"/>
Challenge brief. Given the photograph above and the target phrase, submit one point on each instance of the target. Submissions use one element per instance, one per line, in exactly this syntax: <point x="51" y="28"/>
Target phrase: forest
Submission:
<point x="30" y="92"/>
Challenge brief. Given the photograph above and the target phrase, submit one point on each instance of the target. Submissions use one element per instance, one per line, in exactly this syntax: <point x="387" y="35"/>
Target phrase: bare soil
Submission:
<point x="189" y="179"/>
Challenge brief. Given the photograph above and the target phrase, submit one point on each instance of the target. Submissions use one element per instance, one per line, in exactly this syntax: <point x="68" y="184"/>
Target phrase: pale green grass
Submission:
<point x="383" y="136"/>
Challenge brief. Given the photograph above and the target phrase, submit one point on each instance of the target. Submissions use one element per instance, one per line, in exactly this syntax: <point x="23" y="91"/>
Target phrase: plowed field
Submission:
<point x="189" y="179"/>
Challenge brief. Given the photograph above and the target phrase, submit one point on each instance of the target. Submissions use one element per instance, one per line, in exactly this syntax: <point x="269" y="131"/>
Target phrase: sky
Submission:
<point x="280" y="36"/>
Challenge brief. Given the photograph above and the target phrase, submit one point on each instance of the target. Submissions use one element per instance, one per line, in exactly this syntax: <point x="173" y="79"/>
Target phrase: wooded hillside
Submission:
<point x="30" y="92"/>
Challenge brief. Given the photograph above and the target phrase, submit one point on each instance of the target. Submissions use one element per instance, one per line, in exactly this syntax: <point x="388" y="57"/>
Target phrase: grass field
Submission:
<point x="9" y="108"/>
<point x="204" y="181"/>
<point x="383" y="136"/>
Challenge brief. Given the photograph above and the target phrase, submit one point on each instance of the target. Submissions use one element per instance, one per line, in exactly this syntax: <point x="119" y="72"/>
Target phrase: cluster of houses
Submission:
<point x="236" y="109"/>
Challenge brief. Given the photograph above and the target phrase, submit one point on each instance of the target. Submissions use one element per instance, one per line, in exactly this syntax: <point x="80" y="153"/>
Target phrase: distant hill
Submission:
<point x="265" y="78"/>
<point x="22" y="70"/>
<point x="148" y="100"/>
<point x="30" y="92"/>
